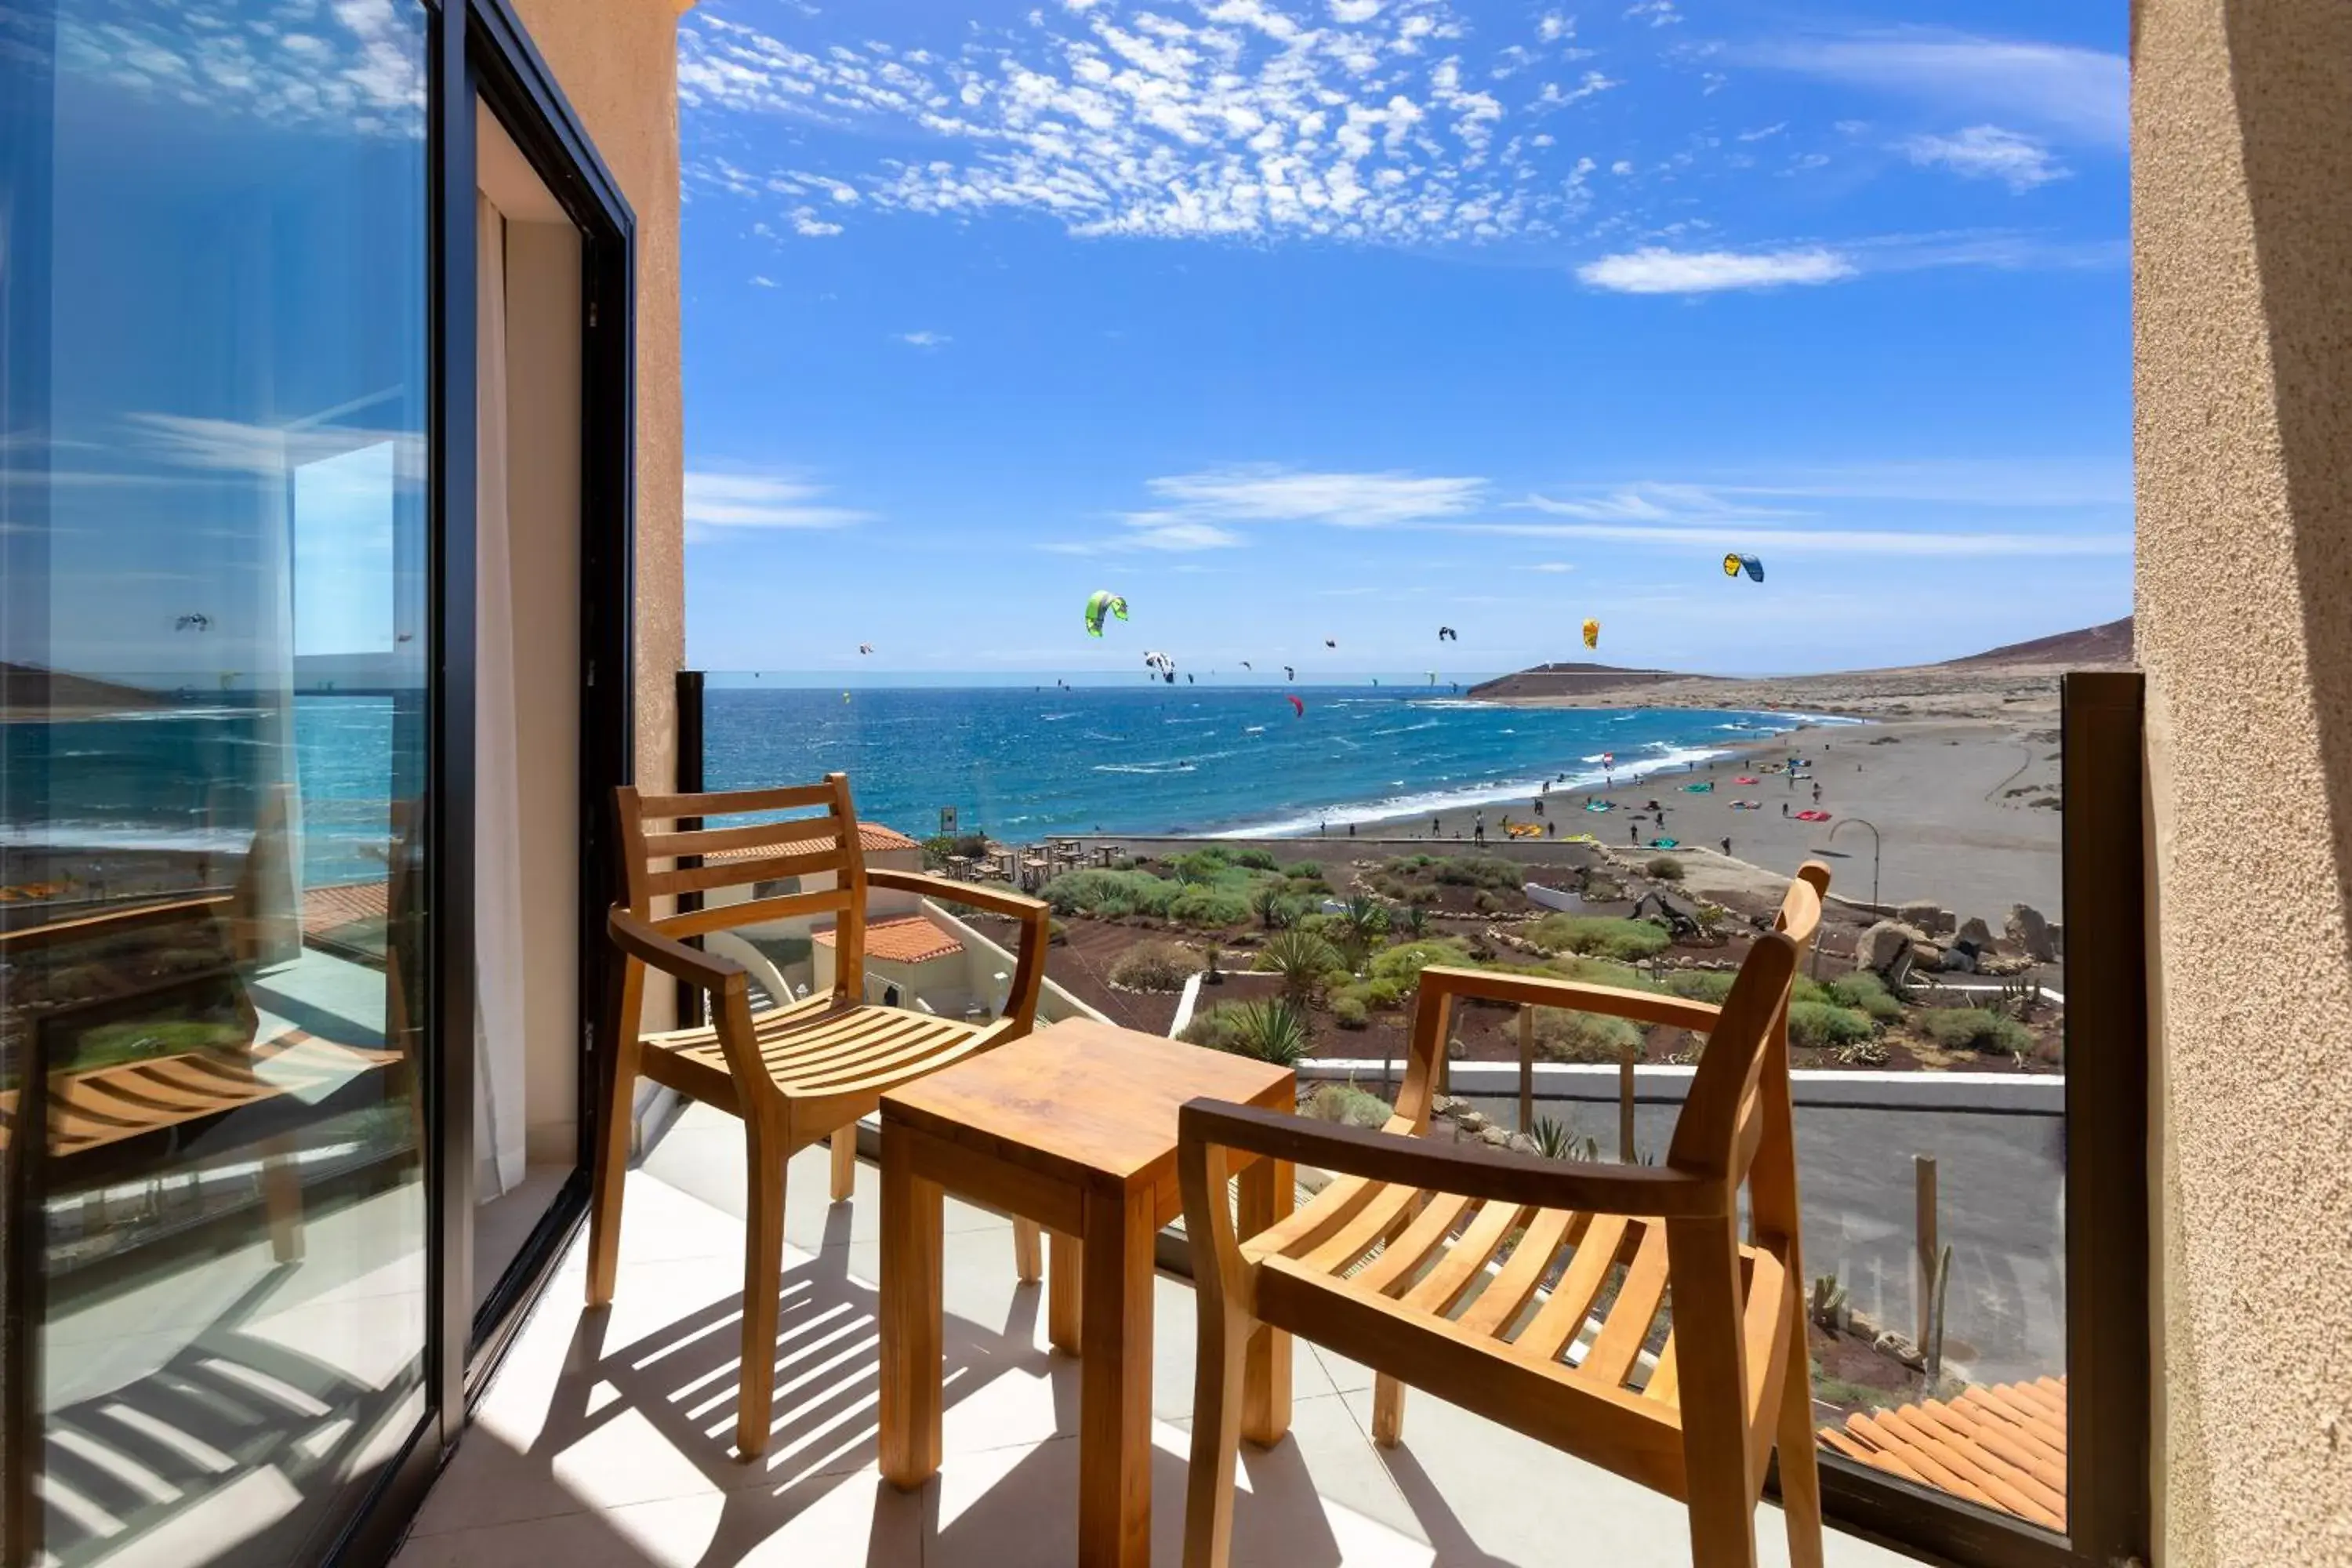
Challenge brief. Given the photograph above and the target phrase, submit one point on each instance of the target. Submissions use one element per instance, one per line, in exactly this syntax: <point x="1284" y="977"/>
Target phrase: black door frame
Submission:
<point x="480" y="51"/>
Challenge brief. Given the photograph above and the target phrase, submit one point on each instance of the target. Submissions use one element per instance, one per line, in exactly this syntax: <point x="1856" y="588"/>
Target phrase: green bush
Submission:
<point x="1202" y="866"/>
<point x="1274" y="912"/>
<point x="1598" y="934"/>
<point x="1866" y="992"/>
<point x="1303" y="960"/>
<point x="1413" y="921"/>
<point x="1111" y="894"/>
<point x="1664" y="867"/>
<point x="1701" y="984"/>
<point x="1349" y="1010"/>
<point x="1209" y="909"/>
<point x="1381" y="996"/>
<point x="1272" y="1031"/>
<point x="1490" y="871"/>
<point x="1254" y="859"/>
<point x="1584" y="1036"/>
<point x="1303" y="871"/>
<point x="1403" y="963"/>
<point x="937" y="849"/>
<point x="1826" y="1025"/>
<point x="1155" y="966"/>
<point x="1974" y="1029"/>
<point x="1346" y="1104"/>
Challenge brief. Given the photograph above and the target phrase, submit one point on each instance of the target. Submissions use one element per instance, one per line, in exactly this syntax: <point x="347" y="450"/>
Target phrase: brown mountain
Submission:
<point x="2090" y="646"/>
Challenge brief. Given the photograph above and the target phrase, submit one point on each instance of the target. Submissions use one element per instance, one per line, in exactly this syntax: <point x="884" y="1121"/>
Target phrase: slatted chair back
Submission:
<point x="668" y="852"/>
<point x="1738" y="1120"/>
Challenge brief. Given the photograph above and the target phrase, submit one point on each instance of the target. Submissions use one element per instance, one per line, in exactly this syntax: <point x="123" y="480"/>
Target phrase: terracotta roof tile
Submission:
<point x="2002" y="1446"/>
<point x="911" y="939"/>
<point x="872" y="837"/>
<point x="328" y="907"/>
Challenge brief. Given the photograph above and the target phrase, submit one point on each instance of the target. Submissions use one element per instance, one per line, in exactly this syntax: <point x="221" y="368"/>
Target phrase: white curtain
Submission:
<point x="498" y="807"/>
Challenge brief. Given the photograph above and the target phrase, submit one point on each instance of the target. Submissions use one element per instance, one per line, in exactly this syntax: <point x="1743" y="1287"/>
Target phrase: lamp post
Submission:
<point x="1843" y="821"/>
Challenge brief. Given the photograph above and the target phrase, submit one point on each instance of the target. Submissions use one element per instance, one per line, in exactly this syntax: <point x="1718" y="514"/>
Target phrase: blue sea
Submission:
<point x="1188" y="760"/>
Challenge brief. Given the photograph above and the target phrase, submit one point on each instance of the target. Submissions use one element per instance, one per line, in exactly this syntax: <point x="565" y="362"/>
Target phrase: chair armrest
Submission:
<point x="1029" y="964"/>
<point x="1490" y="1174"/>
<point x="1020" y="906"/>
<point x="1583" y="996"/>
<point x="640" y="941"/>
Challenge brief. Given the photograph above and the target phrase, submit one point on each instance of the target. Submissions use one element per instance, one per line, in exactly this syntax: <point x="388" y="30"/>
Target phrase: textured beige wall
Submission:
<point x="617" y="63"/>
<point x="2242" y="182"/>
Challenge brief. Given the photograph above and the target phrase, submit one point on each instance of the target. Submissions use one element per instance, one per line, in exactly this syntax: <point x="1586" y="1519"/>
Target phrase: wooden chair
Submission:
<point x="1430" y="1261"/>
<point x="793" y="1073"/>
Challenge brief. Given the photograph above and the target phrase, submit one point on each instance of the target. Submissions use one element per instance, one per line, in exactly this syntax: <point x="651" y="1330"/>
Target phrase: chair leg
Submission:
<point x="764" y="1267"/>
<point x="1387" y="1410"/>
<point x="845" y="1162"/>
<point x="1220" y="1365"/>
<point x="1026" y="1267"/>
<point x="613" y="1149"/>
<point x="281" y="1198"/>
<point x="1800" y="1470"/>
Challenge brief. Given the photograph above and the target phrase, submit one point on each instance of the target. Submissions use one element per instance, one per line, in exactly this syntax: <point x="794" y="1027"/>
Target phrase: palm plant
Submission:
<point x="1301" y="958"/>
<point x="1362" y="925"/>
<point x="1274" y="912"/>
<point x="1554" y="1141"/>
<point x="1414" y="921"/>
<point x="1272" y="1031"/>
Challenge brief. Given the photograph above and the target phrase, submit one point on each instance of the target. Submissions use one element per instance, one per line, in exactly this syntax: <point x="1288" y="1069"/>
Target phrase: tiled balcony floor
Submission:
<point x="605" y="1441"/>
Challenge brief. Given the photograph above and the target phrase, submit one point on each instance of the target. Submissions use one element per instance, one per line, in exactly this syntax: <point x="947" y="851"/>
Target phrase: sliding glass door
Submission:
<point x="214" y="666"/>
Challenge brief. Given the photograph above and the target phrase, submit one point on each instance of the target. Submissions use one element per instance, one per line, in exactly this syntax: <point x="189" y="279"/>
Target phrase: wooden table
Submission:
<point x="1073" y="1127"/>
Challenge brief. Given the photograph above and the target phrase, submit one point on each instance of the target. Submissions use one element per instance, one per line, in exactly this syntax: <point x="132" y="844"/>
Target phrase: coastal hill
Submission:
<point x="2018" y="680"/>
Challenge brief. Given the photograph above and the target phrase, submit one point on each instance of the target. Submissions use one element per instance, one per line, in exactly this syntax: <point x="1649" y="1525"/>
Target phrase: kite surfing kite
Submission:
<point x="1592" y="633"/>
<point x="1101" y="602"/>
<point x="1298" y="709"/>
<point x="1733" y="565"/>
<point x="1245" y="664"/>
<point x="864" y="647"/>
<point x="1447" y="634"/>
<point x="1289" y="672"/>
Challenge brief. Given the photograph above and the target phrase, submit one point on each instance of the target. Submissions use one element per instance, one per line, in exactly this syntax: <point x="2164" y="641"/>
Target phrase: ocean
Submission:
<point x="1235" y="761"/>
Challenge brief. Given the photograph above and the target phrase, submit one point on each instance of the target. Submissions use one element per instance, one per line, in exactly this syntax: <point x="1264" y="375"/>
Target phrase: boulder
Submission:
<point x="1927" y="916"/>
<point x="1495" y="1137"/>
<point x="1960" y="960"/>
<point x="1471" y="1121"/>
<point x="1974" y="934"/>
<point x="1883" y="945"/>
<point x="2030" y="932"/>
<point x="1520" y="1144"/>
<point x="1926" y="955"/>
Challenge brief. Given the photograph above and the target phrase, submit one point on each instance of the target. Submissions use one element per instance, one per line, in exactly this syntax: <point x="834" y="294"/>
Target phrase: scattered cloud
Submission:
<point x="1988" y="152"/>
<point x="807" y="224"/>
<point x="1342" y="499"/>
<point x="1761" y="132"/>
<point x="1353" y="120"/>
<point x="2076" y="92"/>
<point x="925" y="339"/>
<point x="1552" y="566"/>
<point x="1847" y="542"/>
<point x="1657" y="13"/>
<point x="720" y="499"/>
<point x="761" y="281"/>
<point x="1655" y="269"/>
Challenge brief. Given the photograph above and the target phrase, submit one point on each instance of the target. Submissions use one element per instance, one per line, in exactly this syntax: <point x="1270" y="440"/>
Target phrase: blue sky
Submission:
<point x="1303" y="319"/>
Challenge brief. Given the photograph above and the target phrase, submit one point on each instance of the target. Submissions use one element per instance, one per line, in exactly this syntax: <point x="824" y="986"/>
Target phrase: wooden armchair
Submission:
<point x="795" y="1072"/>
<point x="1475" y="1274"/>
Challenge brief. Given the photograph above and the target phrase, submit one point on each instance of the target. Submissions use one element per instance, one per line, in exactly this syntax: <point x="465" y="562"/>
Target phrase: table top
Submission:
<point x="1082" y="1101"/>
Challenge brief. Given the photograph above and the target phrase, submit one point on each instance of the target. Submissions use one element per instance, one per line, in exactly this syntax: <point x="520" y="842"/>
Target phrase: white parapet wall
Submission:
<point x="2004" y="1093"/>
<point x="987" y="958"/>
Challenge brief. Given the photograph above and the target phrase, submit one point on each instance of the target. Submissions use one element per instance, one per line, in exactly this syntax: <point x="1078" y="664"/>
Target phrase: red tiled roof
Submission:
<point x="2002" y="1446"/>
<point x="326" y="908"/>
<point x="871" y="837"/>
<point x="911" y="939"/>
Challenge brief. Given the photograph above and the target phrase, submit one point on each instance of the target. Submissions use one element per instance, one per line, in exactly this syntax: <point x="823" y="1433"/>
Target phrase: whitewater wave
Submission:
<point x="1451" y="702"/>
<point x="1408" y="729"/>
<point x="1491" y="792"/>
<point x="1054" y="717"/>
<point x="1146" y="768"/>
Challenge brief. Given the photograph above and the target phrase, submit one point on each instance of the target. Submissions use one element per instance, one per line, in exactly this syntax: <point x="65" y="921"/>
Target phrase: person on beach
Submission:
<point x="1436" y="827"/>
<point x="1727" y="848"/>
<point x="1352" y="830"/>
<point x="1478" y="829"/>
<point x="1817" y="795"/>
<point x="1784" y="808"/>
<point x="1633" y="833"/>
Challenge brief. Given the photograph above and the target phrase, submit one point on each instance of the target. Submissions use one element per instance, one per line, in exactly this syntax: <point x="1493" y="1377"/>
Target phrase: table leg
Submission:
<point x="1064" y="1311"/>
<point x="912" y="1336"/>
<point x="1268" y="1189"/>
<point x="1115" y="1385"/>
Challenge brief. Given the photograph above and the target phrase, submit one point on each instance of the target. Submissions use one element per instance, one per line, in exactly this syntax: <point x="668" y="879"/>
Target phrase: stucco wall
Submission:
<point x="617" y="63"/>
<point x="2242" y="162"/>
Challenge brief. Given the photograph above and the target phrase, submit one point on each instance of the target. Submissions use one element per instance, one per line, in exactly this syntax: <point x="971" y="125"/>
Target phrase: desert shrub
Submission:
<point x="1485" y="902"/>
<point x="1974" y="1029"/>
<point x="1303" y="871"/>
<point x="1600" y="890"/>
<point x="1346" y="1104"/>
<point x="1490" y="871"/>
<point x="1701" y="984"/>
<point x="1202" y="866"/>
<point x="1155" y="966"/>
<point x="1349" y="1011"/>
<point x="1598" y="934"/>
<point x="1555" y="1141"/>
<point x="1303" y="960"/>
<point x="1111" y="894"/>
<point x="1826" y="1025"/>
<point x="1272" y="1031"/>
<point x="1360" y="926"/>
<point x="1403" y="963"/>
<point x="1274" y="912"/>
<point x="1867" y="992"/>
<point x="1583" y="1036"/>
<point x="1389" y="886"/>
<point x="1664" y="867"/>
<point x="1413" y="920"/>
<point x="1056" y="933"/>
<point x="1381" y="996"/>
<point x="1253" y="859"/>
<point x="1209" y="909"/>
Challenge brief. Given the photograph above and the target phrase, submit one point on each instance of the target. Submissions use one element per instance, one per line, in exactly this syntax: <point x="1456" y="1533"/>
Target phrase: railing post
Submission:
<point x="1527" y="1070"/>
<point x="689" y="781"/>
<point x="1923" y="1183"/>
<point x="1626" y="1110"/>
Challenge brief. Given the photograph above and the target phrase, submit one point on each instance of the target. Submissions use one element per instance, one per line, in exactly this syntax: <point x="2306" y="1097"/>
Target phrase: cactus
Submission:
<point x="1829" y="1306"/>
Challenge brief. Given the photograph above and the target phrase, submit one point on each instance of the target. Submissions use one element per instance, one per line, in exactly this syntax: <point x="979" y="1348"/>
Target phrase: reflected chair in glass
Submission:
<point x="1529" y="1290"/>
<point x="793" y="1073"/>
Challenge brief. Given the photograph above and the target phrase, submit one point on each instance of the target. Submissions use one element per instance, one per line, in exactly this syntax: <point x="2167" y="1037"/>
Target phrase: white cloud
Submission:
<point x="1659" y="13"/>
<point x="1813" y="540"/>
<point x="1330" y="119"/>
<point x="1988" y="153"/>
<point x="2078" y="92"/>
<point x="717" y="500"/>
<point x="805" y="222"/>
<point x="1552" y="566"/>
<point x="1657" y="271"/>
<point x="760" y="280"/>
<point x="1553" y="26"/>
<point x="925" y="339"/>
<point x="1762" y="132"/>
<point x="1343" y="500"/>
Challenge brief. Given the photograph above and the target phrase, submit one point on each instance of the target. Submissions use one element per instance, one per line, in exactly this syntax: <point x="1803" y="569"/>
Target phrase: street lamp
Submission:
<point x="1845" y="821"/>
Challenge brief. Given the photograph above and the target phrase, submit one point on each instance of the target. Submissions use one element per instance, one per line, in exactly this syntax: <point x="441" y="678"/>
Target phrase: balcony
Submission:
<point x="605" y="1440"/>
